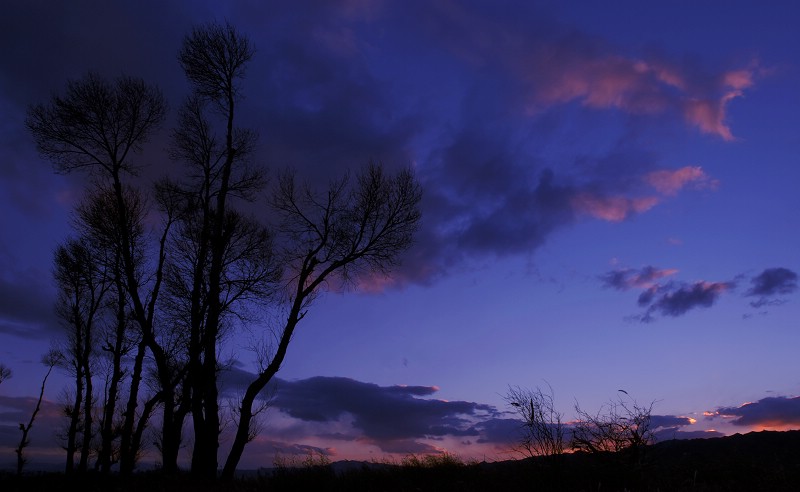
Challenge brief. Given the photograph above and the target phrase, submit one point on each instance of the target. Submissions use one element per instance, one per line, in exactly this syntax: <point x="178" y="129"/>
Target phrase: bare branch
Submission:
<point x="620" y="426"/>
<point x="213" y="58"/>
<point x="97" y="123"/>
<point x="542" y="432"/>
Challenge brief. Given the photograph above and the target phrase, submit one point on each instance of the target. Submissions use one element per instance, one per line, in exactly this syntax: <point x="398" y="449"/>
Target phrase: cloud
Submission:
<point x="612" y="208"/>
<point x="643" y="278"/>
<point x="770" y="283"/>
<point x="44" y="446"/>
<point x="500" y="431"/>
<point x="668" y="427"/>
<point x="396" y="419"/>
<point x="672" y="298"/>
<point x="487" y="191"/>
<point x="471" y="103"/>
<point x="385" y="415"/>
<point x="583" y="69"/>
<point x="27" y="300"/>
<point x="774" y="411"/>
<point x="676" y="300"/>
<point x="658" y="421"/>
<point x="669" y="433"/>
<point x="616" y="208"/>
<point x="670" y="182"/>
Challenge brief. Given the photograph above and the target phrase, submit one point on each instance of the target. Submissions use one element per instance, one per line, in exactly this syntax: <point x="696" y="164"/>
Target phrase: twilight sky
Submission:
<point x="610" y="202"/>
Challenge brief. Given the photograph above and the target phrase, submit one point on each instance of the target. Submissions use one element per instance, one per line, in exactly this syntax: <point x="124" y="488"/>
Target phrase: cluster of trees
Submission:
<point x="621" y="426"/>
<point x="157" y="277"/>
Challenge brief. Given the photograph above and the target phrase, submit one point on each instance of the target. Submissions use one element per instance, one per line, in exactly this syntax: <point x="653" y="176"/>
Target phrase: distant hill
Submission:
<point x="757" y="461"/>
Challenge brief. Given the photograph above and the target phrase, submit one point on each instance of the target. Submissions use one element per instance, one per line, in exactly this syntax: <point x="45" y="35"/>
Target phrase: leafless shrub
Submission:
<point x="542" y="430"/>
<point x="620" y="426"/>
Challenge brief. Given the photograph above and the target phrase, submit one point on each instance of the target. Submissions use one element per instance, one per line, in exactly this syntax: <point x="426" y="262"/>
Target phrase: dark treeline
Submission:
<point x="147" y="305"/>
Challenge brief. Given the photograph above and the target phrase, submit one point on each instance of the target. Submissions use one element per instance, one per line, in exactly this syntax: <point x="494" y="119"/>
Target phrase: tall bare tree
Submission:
<point x="231" y="256"/>
<point x="353" y="228"/>
<point x="82" y="286"/>
<point x="117" y="342"/>
<point x="96" y="126"/>
<point x="210" y="262"/>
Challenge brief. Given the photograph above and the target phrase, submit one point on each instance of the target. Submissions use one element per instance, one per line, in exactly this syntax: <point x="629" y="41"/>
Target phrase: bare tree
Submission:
<point x="51" y="359"/>
<point x="97" y="126"/>
<point x="620" y="426"/>
<point x="355" y="227"/>
<point x="82" y="286"/>
<point x="117" y="342"/>
<point x="229" y="257"/>
<point x="542" y="432"/>
<point x="209" y="265"/>
<point x="119" y="233"/>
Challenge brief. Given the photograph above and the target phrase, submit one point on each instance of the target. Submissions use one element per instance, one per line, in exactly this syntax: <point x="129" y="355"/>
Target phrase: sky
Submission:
<point x="609" y="203"/>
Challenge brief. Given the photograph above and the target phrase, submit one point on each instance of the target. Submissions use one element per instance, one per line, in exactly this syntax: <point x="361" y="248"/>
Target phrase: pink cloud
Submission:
<point x="376" y="283"/>
<point x="560" y="74"/>
<point x="709" y="115"/>
<point x="611" y="208"/>
<point x="738" y="79"/>
<point x="670" y="182"/>
<point x="573" y="67"/>
<point x="607" y="82"/>
<point x="647" y="278"/>
<point x="616" y="208"/>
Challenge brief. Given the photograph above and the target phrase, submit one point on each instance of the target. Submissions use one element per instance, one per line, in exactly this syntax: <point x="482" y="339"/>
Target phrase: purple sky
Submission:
<point x="610" y="203"/>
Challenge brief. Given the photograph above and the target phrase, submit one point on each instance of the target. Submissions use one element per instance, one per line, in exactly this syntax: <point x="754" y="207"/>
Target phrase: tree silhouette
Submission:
<point x="356" y="227"/>
<point x="543" y="432"/>
<point x="173" y="297"/>
<point x="622" y="426"/>
<point x="82" y="286"/>
<point x="51" y="359"/>
<point x="230" y="256"/>
<point x="95" y="127"/>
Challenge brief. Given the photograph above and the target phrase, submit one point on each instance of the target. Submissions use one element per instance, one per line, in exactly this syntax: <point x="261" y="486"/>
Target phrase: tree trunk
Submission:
<point x="74" y="418"/>
<point x="243" y="435"/>
<point x="109" y="412"/>
<point x="86" y="446"/>
<point x="127" y="456"/>
<point x="170" y="435"/>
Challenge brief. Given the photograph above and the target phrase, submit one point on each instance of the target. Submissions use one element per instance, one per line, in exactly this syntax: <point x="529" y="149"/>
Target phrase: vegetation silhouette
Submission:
<point x="765" y="460"/>
<point x="147" y="306"/>
<point x="49" y="360"/>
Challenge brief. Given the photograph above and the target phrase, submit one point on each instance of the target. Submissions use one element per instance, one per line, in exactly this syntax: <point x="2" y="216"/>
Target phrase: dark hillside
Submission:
<point x="758" y="461"/>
